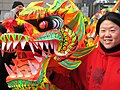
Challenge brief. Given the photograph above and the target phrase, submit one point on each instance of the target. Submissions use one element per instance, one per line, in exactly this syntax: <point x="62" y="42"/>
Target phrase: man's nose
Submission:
<point x="107" y="33"/>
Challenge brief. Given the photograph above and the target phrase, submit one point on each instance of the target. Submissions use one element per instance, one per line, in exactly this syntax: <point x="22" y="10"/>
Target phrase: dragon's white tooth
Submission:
<point x="59" y="54"/>
<point x="46" y="44"/>
<point x="41" y="44"/>
<point x="3" y="45"/>
<point x="27" y="74"/>
<point x="9" y="44"/>
<point x="31" y="46"/>
<point x="2" y="52"/>
<point x="36" y="45"/>
<point x="56" y="52"/>
<point x="19" y="74"/>
<point x="55" y="46"/>
<point x="23" y="43"/>
<point x="13" y="76"/>
<point x="10" y="72"/>
<point x="33" y="70"/>
<point x="51" y="43"/>
<point x="15" y="44"/>
<point x="9" y="86"/>
<point x="39" y="59"/>
<point x="36" y="65"/>
<point x="12" y="67"/>
<point x="43" y="53"/>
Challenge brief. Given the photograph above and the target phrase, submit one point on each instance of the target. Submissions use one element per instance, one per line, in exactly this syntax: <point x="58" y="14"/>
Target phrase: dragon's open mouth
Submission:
<point x="29" y="57"/>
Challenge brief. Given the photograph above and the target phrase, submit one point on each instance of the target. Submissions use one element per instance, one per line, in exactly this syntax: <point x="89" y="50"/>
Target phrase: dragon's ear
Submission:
<point x="37" y="3"/>
<point x="73" y="5"/>
<point x="116" y="6"/>
<point x="57" y="4"/>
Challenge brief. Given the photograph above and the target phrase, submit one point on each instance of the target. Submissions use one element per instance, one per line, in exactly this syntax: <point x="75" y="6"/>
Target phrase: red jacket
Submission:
<point x="98" y="71"/>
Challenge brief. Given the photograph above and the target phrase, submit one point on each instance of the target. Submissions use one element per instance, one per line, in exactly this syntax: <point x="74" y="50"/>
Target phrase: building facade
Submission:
<point x="6" y="5"/>
<point x="87" y="6"/>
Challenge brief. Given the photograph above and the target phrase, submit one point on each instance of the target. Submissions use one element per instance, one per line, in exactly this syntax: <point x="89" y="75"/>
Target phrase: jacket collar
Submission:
<point x="112" y="50"/>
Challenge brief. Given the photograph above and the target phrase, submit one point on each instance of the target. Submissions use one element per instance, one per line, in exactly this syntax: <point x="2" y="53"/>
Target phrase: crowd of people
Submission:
<point x="100" y="69"/>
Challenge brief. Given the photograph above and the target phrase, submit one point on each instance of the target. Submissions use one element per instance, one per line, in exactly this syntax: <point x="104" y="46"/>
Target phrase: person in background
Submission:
<point x="100" y="69"/>
<point x="16" y="8"/>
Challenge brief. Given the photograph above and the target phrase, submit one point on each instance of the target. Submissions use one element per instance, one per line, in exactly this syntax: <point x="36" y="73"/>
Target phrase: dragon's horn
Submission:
<point x="116" y="5"/>
<point x="37" y="3"/>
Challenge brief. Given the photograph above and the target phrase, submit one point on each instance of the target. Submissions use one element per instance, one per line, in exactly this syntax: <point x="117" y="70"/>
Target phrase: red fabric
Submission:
<point x="98" y="71"/>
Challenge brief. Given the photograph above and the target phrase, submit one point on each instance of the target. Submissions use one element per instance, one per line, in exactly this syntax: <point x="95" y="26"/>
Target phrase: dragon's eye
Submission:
<point x="43" y="24"/>
<point x="47" y="23"/>
<point x="51" y="22"/>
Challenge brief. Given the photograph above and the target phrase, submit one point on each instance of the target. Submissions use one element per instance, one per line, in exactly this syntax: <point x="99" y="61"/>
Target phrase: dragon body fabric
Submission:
<point x="40" y="34"/>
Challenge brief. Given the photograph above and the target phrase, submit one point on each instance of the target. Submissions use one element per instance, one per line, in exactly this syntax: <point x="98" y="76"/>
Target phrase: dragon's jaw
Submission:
<point x="30" y="62"/>
<point x="28" y="69"/>
<point x="23" y="74"/>
<point x="31" y="57"/>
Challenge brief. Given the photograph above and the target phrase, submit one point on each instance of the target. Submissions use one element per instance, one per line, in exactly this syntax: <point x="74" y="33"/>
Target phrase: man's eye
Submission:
<point x="112" y="30"/>
<point x="102" y="30"/>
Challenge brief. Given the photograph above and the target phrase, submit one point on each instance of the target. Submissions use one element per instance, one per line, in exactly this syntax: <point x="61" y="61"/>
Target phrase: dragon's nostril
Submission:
<point x="19" y="29"/>
<point x="2" y="29"/>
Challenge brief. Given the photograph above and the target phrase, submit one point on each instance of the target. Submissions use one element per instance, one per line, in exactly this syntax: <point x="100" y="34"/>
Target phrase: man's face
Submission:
<point x="109" y="34"/>
<point x="19" y="7"/>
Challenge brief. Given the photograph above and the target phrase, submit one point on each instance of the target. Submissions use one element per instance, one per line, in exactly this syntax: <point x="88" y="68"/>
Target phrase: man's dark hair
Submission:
<point x="112" y="16"/>
<point x="16" y="3"/>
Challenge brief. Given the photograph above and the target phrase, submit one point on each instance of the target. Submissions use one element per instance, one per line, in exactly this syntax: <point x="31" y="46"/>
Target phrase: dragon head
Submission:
<point x="39" y="34"/>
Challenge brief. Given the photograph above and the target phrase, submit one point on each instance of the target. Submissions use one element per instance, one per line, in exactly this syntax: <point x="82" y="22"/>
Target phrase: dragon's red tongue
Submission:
<point x="23" y="55"/>
<point x="27" y="69"/>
